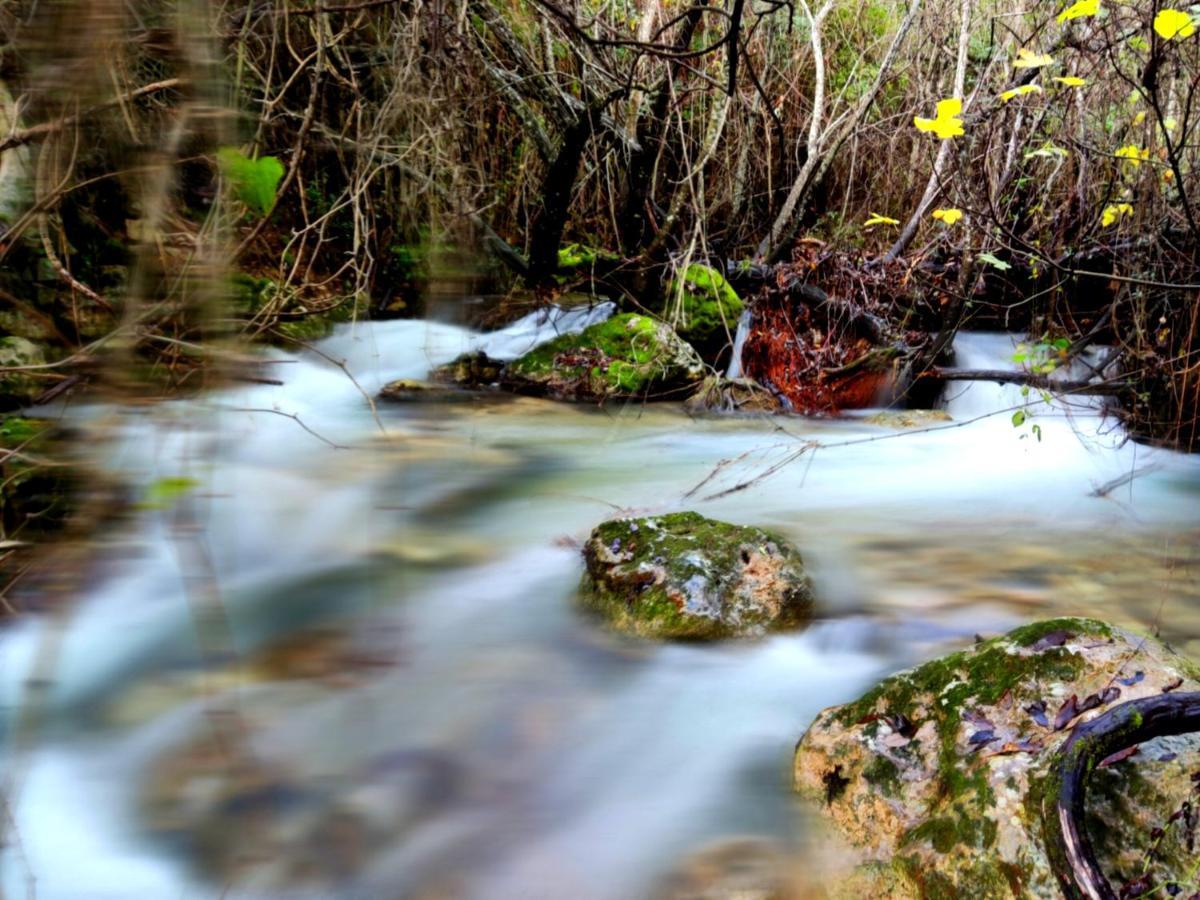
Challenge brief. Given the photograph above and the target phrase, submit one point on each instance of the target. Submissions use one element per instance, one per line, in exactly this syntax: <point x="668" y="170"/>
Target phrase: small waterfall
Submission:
<point x="739" y="341"/>
<point x="540" y="326"/>
<point x="983" y="351"/>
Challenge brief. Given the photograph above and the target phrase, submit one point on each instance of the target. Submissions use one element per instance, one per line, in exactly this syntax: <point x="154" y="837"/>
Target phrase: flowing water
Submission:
<point x="346" y="661"/>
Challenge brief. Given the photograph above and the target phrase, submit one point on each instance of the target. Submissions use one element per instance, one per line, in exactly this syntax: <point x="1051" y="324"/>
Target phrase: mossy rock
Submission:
<point x="718" y="394"/>
<point x="704" y="309"/>
<point x="682" y="576"/>
<point x="20" y="388"/>
<point x="469" y="370"/>
<point x="627" y="356"/>
<point x="941" y="772"/>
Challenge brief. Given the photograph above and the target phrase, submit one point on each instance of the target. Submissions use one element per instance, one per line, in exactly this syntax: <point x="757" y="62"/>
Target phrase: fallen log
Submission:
<point x="1123" y="726"/>
<point x="1029" y="379"/>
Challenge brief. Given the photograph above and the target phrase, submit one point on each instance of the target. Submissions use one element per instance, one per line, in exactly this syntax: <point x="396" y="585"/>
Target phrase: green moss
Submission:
<point x="704" y="307"/>
<point x="943" y="689"/>
<point x="1028" y="635"/>
<point x="17" y="430"/>
<point x="884" y="774"/>
<point x="626" y="355"/>
<point x="579" y="256"/>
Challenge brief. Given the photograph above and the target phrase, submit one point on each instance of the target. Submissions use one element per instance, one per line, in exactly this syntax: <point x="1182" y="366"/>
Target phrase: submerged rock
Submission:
<point x="704" y="309"/>
<point x="717" y="394"/>
<point x="746" y="868"/>
<point x="908" y="418"/>
<point x="683" y="576"/>
<point x="627" y="356"/>
<point x="411" y="390"/>
<point x="937" y="776"/>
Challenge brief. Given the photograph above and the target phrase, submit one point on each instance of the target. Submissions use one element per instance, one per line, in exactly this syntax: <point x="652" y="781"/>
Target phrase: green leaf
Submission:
<point x="1037" y="431"/>
<point x="1018" y="418"/>
<point x="993" y="262"/>
<point x="254" y="180"/>
<point x="163" y="493"/>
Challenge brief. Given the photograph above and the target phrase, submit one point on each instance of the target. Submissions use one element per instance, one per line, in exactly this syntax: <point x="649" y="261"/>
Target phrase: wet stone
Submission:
<point x="682" y="576"/>
<point x="942" y="770"/>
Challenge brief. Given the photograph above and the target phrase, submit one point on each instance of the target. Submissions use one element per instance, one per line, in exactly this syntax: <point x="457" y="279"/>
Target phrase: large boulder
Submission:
<point x="682" y="576"/>
<point x="938" y="777"/>
<point x="627" y="356"/>
<point x="704" y="309"/>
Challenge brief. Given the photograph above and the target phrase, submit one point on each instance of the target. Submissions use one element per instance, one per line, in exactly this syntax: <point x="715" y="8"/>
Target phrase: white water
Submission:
<point x="583" y="765"/>
<point x="739" y="342"/>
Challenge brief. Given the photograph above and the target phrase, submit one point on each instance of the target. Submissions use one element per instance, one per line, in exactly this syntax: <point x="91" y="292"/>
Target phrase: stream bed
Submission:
<point x="347" y="660"/>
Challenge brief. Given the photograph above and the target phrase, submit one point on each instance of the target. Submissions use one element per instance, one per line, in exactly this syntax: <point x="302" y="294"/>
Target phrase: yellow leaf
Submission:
<point x="1132" y="154"/>
<point x="1139" y="118"/>
<point x="1170" y="123"/>
<point x="1070" y="80"/>
<point x="1027" y="59"/>
<point x="1021" y="91"/>
<point x="947" y="124"/>
<point x="1173" y="23"/>
<point x="877" y="219"/>
<point x="1113" y="212"/>
<point x="1079" y="10"/>
<point x="949" y="216"/>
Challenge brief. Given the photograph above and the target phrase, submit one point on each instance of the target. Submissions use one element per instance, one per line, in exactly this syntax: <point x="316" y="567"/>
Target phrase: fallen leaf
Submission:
<point x="1052" y="639"/>
<point x="1113" y="758"/>
<point x="1066" y="713"/>
<point x="1174" y="685"/>
<point x="1037" y="712"/>
<point x="1133" y="679"/>
<point x="981" y="739"/>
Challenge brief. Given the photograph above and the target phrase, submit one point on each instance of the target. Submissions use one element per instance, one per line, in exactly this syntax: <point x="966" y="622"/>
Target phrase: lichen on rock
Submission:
<point x="627" y="356"/>
<point x="940" y="772"/>
<point x="682" y="576"/>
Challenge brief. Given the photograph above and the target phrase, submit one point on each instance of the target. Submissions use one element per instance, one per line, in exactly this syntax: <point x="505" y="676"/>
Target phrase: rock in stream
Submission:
<point x="683" y="576"/>
<point x="936" y="777"/>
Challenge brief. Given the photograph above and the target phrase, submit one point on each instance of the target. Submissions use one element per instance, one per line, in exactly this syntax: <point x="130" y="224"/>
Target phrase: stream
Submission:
<point x="346" y="660"/>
